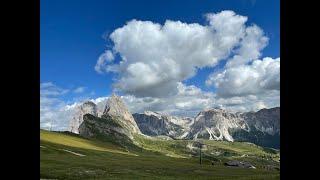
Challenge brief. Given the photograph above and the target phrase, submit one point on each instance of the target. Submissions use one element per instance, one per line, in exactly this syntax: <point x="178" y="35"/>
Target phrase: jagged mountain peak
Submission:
<point x="87" y="107"/>
<point x="157" y="124"/>
<point x="116" y="107"/>
<point x="261" y="127"/>
<point x="215" y="124"/>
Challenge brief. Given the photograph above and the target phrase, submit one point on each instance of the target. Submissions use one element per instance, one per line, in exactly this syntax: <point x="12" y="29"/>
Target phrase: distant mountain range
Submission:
<point x="261" y="127"/>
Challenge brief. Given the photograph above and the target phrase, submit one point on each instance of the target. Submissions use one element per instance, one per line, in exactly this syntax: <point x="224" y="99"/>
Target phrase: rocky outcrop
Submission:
<point x="261" y="128"/>
<point x="87" y="107"/>
<point x="264" y="128"/>
<point x="116" y="108"/>
<point x="215" y="124"/>
<point x="115" y="123"/>
<point x="264" y="120"/>
<point x="155" y="124"/>
<point x="240" y="164"/>
<point x="105" y="128"/>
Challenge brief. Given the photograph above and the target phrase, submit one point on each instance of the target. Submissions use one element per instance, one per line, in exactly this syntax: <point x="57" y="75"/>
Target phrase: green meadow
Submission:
<point x="69" y="156"/>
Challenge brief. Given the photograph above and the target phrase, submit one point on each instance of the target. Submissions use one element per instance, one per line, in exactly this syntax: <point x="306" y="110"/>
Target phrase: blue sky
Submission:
<point x="71" y="38"/>
<point x="171" y="56"/>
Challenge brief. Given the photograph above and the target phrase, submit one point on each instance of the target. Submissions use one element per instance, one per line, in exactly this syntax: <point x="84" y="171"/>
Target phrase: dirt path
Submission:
<point x="78" y="154"/>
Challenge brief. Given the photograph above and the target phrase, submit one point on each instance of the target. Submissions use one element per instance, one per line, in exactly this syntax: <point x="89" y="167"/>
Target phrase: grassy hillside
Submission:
<point x="69" y="156"/>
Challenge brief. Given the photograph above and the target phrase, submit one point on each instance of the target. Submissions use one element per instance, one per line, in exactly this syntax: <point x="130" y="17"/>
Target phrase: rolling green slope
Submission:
<point x="69" y="156"/>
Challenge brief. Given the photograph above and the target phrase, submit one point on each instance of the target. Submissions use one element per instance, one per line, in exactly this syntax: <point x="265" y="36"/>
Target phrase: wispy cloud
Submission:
<point x="50" y="89"/>
<point x="52" y="108"/>
<point x="79" y="90"/>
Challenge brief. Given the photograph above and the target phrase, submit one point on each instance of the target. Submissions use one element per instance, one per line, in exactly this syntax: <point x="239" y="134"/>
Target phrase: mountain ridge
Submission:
<point x="219" y="124"/>
<point x="261" y="127"/>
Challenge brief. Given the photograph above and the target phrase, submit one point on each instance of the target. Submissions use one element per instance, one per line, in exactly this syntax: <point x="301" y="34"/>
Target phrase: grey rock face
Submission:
<point x="240" y="164"/>
<point x="265" y="120"/>
<point x="116" y="108"/>
<point x="155" y="124"/>
<point x="87" y="107"/>
<point x="261" y="128"/>
<point x="115" y="119"/>
<point x="215" y="124"/>
<point x="264" y="128"/>
<point x="104" y="128"/>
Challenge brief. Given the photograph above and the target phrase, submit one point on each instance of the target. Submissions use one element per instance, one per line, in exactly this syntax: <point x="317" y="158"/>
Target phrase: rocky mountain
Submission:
<point x="87" y="107"/>
<point x="116" y="108"/>
<point x="261" y="128"/>
<point x="107" y="128"/>
<point x="215" y="124"/>
<point x="115" y="124"/>
<point x="155" y="124"/>
<point x="265" y="120"/>
<point x="264" y="128"/>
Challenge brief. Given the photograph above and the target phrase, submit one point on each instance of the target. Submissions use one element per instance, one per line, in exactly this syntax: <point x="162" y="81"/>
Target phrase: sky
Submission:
<point x="171" y="56"/>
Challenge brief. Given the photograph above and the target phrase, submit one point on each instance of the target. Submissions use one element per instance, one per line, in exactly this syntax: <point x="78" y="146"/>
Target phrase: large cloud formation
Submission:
<point x="155" y="57"/>
<point x="257" y="78"/>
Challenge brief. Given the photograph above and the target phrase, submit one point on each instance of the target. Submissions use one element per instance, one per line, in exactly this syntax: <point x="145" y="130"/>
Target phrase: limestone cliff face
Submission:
<point x="155" y="124"/>
<point x="87" y="107"/>
<point x="116" y="122"/>
<point x="264" y="128"/>
<point x="116" y="108"/>
<point x="264" y="120"/>
<point x="215" y="124"/>
<point x="104" y="128"/>
<point x="210" y="124"/>
<point x="261" y="127"/>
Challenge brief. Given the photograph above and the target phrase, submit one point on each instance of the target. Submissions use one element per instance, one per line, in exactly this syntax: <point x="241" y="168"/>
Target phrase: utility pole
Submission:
<point x="51" y="125"/>
<point x="200" y="154"/>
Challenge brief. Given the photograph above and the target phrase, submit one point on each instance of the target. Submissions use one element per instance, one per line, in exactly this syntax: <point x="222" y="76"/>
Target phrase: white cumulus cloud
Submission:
<point x="256" y="78"/>
<point x="155" y="57"/>
<point x="250" y="47"/>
